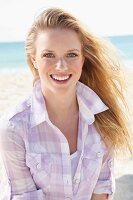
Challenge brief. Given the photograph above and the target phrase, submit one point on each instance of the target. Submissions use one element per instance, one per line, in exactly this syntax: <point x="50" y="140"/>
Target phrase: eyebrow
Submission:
<point x="47" y="50"/>
<point x="73" y="50"/>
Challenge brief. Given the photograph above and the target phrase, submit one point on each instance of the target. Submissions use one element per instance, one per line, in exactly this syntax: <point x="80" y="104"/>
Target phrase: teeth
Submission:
<point x="60" y="78"/>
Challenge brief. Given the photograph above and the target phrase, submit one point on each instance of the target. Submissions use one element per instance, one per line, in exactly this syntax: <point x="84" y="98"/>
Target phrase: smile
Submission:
<point x="59" y="78"/>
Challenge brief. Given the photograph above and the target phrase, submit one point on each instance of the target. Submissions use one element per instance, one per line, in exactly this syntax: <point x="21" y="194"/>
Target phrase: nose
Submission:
<point x="61" y="64"/>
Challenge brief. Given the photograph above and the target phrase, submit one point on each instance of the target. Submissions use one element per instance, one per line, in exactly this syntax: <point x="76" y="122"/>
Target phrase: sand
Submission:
<point x="16" y="86"/>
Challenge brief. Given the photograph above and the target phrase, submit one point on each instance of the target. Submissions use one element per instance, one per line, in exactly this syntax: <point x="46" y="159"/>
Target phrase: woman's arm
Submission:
<point x="16" y="182"/>
<point x="99" y="197"/>
<point x="105" y="185"/>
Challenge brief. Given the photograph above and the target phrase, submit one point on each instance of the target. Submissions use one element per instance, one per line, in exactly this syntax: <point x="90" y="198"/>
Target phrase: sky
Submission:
<point x="103" y="17"/>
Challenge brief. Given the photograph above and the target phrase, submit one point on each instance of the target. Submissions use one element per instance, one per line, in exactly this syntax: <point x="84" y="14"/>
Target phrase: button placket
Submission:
<point x="67" y="179"/>
<point x="77" y="177"/>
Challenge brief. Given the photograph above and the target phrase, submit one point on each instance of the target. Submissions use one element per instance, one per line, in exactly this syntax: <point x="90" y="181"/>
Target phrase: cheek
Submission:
<point x="42" y="71"/>
<point x="78" y="66"/>
<point x="43" y="67"/>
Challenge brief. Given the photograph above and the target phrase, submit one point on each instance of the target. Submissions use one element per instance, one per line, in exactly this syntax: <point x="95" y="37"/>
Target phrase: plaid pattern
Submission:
<point x="36" y="156"/>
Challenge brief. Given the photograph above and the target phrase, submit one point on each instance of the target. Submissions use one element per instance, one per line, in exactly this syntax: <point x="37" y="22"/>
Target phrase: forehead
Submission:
<point x="57" y="37"/>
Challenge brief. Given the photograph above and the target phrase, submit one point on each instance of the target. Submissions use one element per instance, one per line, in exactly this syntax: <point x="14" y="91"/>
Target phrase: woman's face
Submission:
<point x="59" y="59"/>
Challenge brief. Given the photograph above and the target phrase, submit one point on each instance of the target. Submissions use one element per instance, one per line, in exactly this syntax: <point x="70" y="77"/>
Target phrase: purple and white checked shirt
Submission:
<point x="36" y="159"/>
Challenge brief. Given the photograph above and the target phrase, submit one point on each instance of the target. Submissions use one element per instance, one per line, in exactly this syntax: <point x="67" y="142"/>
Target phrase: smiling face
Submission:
<point x="59" y="59"/>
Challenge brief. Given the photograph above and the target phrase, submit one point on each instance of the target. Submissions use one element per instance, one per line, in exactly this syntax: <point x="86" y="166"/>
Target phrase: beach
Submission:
<point x="16" y="86"/>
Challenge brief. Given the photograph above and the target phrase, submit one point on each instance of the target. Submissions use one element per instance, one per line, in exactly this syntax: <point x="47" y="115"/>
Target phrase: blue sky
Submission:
<point x="103" y="17"/>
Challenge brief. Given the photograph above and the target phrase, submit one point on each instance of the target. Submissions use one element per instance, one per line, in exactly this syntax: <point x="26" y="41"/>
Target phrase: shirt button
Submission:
<point x="99" y="154"/>
<point x="38" y="166"/>
<point x="82" y="157"/>
<point x="110" y="163"/>
<point x="12" y="126"/>
<point x="28" y="103"/>
<point x="76" y="180"/>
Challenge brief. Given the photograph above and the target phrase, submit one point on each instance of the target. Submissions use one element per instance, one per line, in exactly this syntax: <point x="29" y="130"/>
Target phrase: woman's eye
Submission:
<point x="72" y="55"/>
<point x="48" y="55"/>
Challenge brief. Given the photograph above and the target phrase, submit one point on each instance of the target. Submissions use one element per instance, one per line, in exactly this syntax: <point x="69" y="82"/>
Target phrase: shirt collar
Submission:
<point x="38" y="112"/>
<point x="89" y="104"/>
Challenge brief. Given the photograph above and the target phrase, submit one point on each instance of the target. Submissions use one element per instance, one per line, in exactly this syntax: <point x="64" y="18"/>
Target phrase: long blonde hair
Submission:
<point x="100" y="72"/>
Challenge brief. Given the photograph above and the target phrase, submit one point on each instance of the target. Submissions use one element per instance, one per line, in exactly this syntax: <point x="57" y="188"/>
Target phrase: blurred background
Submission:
<point x="110" y="19"/>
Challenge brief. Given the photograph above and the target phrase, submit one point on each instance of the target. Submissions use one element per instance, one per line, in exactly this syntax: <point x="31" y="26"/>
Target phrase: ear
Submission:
<point x="32" y="58"/>
<point x="83" y="60"/>
<point x="33" y="61"/>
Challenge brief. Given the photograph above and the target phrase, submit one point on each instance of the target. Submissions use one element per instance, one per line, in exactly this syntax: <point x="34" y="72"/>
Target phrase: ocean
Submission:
<point x="13" y="55"/>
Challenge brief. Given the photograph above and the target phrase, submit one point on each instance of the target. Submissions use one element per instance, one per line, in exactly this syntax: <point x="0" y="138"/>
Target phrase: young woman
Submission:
<point x="59" y="144"/>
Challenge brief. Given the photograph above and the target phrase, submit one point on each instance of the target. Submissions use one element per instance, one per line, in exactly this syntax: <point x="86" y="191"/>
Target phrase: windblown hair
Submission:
<point x="101" y="72"/>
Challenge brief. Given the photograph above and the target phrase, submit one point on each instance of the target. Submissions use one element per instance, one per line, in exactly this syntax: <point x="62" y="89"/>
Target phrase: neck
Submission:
<point x="61" y="106"/>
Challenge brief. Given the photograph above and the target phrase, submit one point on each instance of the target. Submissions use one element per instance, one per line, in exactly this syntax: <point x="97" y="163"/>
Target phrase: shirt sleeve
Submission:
<point x="106" y="180"/>
<point x="16" y="182"/>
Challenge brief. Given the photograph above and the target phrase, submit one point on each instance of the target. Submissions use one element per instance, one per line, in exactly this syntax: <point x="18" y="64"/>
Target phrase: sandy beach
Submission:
<point x="16" y="86"/>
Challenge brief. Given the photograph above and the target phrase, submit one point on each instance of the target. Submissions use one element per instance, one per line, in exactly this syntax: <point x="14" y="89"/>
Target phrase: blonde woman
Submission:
<point x="59" y="144"/>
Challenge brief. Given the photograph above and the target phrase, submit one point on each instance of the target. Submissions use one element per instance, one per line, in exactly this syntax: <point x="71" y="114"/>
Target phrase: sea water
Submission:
<point x="13" y="55"/>
<point x="125" y="45"/>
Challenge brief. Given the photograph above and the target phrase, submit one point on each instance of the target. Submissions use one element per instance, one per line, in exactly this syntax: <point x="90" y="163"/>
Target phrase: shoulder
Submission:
<point x="16" y="119"/>
<point x="20" y="111"/>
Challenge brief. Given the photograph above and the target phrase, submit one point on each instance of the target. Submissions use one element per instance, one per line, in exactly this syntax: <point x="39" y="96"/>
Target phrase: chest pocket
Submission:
<point x="40" y="165"/>
<point x="91" y="162"/>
